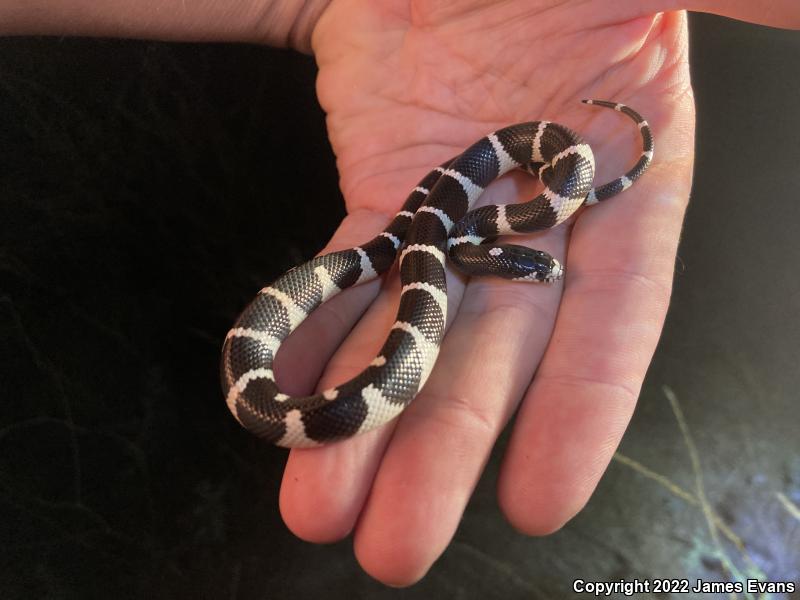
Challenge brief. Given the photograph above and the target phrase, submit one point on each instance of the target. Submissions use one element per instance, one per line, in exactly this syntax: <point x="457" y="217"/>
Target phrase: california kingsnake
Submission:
<point x="434" y="221"/>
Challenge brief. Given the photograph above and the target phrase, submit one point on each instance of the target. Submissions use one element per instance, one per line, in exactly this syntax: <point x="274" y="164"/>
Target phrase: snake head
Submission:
<point x="527" y="264"/>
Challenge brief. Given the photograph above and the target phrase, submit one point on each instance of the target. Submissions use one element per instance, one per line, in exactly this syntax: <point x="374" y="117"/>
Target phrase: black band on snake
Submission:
<point x="434" y="222"/>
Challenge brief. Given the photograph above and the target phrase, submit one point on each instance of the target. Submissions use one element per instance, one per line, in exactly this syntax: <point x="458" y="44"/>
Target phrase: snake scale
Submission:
<point x="435" y="222"/>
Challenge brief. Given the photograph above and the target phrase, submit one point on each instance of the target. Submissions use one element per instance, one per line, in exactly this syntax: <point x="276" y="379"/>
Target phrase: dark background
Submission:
<point x="142" y="203"/>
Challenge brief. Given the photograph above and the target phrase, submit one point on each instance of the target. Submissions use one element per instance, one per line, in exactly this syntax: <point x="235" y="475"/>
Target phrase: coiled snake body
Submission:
<point x="434" y="222"/>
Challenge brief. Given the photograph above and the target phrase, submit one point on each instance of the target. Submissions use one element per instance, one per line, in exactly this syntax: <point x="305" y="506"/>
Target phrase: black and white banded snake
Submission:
<point x="435" y="221"/>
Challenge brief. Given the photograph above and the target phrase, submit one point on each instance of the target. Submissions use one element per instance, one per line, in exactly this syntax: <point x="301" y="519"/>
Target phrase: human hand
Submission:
<point x="404" y="88"/>
<point x="406" y="85"/>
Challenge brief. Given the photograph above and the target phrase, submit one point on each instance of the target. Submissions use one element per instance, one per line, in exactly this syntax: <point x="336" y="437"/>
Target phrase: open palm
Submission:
<point x="406" y="86"/>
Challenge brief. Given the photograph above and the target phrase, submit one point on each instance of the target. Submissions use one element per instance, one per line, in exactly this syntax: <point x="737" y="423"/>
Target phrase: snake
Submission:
<point x="434" y="224"/>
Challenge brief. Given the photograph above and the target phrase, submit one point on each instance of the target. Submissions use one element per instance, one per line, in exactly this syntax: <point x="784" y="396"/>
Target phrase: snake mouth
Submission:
<point x="556" y="271"/>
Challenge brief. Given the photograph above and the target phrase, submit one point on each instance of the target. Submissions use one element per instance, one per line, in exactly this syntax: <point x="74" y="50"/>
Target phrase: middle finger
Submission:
<point x="443" y="440"/>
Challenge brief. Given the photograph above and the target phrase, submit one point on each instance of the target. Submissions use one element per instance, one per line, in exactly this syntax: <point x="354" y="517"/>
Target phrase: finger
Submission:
<point x="619" y="275"/>
<point x="320" y="487"/>
<point x="324" y="489"/>
<point x="443" y="439"/>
